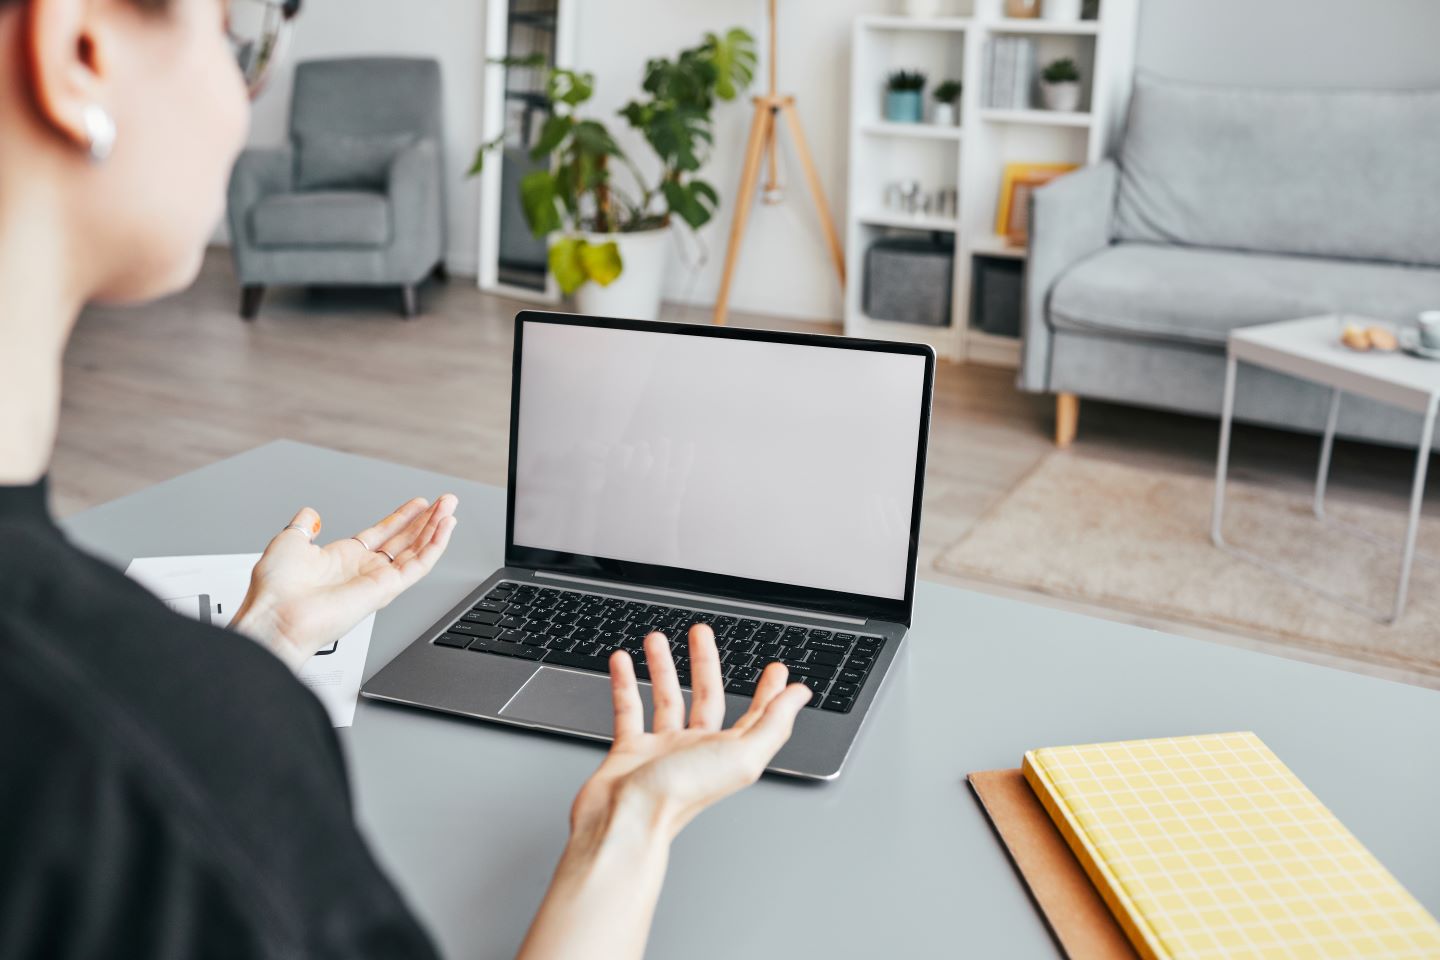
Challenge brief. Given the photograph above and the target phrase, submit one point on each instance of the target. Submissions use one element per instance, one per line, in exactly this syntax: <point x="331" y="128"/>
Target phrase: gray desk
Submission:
<point x="895" y="858"/>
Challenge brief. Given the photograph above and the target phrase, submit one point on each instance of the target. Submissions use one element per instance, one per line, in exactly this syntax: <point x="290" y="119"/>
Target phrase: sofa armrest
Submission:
<point x="257" y="175"/>
<point x="416" y="212"/>
<point x="1070" y="218"/>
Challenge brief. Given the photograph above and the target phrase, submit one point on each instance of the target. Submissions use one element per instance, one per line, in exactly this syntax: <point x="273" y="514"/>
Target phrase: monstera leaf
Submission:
<point x="573" y="261"/>
<point x="733" y="56"/>
<point x="539" y="196"/>
<point x="694" y="202"/>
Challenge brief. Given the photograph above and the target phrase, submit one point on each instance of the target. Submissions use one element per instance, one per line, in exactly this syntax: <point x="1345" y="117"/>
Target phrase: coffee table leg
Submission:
<point x="1417" y="495"/>
<point x="1222" y="461"/>
<point x="1327" y="447"/>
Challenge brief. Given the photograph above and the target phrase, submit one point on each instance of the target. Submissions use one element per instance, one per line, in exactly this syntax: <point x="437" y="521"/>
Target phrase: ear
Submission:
<point x="65" y="53"/>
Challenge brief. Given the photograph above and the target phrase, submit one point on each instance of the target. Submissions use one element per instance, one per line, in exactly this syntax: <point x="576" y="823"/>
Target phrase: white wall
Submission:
<point x="452" y="31"/>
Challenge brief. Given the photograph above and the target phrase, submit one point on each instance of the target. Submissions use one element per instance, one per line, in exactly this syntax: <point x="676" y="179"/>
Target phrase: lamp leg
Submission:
<point x="761" y="129"/>
<point x="812" y="177"/>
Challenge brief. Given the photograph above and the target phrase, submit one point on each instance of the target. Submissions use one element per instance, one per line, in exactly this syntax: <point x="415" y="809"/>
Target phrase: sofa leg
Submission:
<point x="409" y="302"/>
<point x="250" y="296"/>
<point x="1067" y="418"/>
<point x="441" y="273"/>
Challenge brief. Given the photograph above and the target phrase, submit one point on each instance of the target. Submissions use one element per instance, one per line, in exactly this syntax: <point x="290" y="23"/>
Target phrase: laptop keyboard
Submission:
<point x="570" y="628"/>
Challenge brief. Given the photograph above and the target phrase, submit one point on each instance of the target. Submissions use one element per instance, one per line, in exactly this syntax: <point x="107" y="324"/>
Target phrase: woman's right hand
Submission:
<point x="679" y="768"/>
<point x="603" y="897"/>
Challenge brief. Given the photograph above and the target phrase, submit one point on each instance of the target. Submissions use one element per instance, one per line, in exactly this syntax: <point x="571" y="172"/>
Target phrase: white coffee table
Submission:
<point x="1310" y="348"/>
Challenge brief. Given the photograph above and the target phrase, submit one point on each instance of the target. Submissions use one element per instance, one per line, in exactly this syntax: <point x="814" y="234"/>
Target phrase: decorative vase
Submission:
<point x="1022" y="9"/>
<point x="1061" y="11"/>
<point x="1061" y="97"/>
<point x="635" y="294"/>
<point x="943" y="115"/>
<point x="903" y="106"/>
<point x="922" y="8"/>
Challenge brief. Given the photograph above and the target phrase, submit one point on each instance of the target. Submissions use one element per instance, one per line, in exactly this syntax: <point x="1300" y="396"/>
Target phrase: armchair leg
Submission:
<point x="250" y="296"/>
<point x="409" y="302"/>
<point x="1067" y="418"/>
<point x="441" y="272"/>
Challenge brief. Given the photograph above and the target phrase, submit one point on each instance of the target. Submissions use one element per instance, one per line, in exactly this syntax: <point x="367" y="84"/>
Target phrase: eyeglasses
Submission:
<point x="259" y="32"/>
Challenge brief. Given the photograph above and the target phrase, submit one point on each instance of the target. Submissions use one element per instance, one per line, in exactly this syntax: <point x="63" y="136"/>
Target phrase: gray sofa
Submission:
<point x="357" y="197"/>
<point x="1223" y="208"/>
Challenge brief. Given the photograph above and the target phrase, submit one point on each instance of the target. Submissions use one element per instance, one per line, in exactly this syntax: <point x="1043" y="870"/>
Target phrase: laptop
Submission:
<point x="765" y="483"/>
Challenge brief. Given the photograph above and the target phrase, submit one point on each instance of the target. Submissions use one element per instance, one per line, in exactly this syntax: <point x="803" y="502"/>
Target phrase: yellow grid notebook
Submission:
<point x="1210" y="847"/>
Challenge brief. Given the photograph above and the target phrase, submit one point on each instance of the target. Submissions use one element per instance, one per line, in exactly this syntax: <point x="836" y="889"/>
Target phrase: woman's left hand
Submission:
<point x="304" y="596"/>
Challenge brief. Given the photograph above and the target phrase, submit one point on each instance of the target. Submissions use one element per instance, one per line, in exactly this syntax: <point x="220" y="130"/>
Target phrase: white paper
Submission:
<point x="216" y="585"/>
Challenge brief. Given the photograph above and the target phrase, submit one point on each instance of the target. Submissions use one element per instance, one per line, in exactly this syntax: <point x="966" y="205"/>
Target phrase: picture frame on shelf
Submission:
<point x="1012" y="212"/>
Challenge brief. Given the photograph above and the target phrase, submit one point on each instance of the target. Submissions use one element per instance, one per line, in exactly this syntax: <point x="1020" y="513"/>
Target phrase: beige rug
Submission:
<point x="1138" y="540"/>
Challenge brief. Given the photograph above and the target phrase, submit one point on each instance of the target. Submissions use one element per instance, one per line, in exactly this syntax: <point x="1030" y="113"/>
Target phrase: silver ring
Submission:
<point x="296" y="526"/>
<point x="386" y="553"/>
<point x="362" y="543"/>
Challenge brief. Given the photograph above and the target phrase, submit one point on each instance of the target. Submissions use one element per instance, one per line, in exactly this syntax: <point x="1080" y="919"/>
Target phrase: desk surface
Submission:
<point x="893" y="859"/>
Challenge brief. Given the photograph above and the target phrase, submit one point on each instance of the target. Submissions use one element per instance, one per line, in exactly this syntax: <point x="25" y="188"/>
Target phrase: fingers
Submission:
<point x="707" y="687"/>
<point x="402" y="517"/>
<point x="625" y="695"/>
<point x="669" y="704"/>
<point x="306" y="522"/>
<point x="772" y="681"/>
<point x="418" y="531"/>
<point x="773" y="727"/>
<point x="412" y="565"/>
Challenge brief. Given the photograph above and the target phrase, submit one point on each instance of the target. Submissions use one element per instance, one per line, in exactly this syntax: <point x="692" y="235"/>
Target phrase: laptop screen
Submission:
<point x="784" y="462"/>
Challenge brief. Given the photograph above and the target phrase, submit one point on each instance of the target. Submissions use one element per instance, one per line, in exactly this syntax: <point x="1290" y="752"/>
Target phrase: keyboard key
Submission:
<point x="743" y="688"/>
<point x="827" y="646"/>
<point x="513" y="636"/>
<point x="483" y="616"/>
<point x="821" y="656"/>
<point x="512" y="623"/>
<point x="475" y="629"/>
<point x="794" y="636"/>
<point x="845" y="690"/>
<point x="490" y="606"/>
<point x="507" y="649"/>
<point x="837" y="704"/>
<point x="851" y="676"/>
<point x="868" y="643"/>
<point x="457" y="640"/>
<point x="811" y="670"/>
<point x="820" y="635"/>
<point x="580" y="660"/>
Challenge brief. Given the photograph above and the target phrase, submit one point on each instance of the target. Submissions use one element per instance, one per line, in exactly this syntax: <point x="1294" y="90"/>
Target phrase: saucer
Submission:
<point x="1410" y="343"/>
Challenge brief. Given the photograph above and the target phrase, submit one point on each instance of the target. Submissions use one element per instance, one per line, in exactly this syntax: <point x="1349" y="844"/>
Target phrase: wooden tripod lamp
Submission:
<point x="762" y="142"/>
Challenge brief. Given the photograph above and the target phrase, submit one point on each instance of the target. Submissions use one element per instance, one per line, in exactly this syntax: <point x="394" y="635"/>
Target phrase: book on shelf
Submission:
<point x="1009" y="72"/>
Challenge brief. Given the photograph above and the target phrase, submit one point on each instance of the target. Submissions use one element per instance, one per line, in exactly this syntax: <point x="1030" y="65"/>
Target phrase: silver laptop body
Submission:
<point x="660" y="474"/>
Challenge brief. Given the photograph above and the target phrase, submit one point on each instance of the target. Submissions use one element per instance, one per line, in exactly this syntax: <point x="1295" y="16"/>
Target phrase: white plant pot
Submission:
<point x="922" y="8"/>
<point x="1061" y="97"/>
<point x="635" y="294"/>
<point x="943" y="114"/>
<point x="1063" y="11"/>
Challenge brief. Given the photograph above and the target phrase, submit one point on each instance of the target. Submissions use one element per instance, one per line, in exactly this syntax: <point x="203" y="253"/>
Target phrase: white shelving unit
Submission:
<point x="970" y="157"/>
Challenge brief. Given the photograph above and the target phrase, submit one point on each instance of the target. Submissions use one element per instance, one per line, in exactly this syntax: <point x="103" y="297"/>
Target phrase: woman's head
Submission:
<point x="136" y="222"/>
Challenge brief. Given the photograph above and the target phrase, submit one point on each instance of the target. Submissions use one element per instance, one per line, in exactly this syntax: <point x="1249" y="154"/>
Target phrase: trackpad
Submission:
<point x="570" y="700"/>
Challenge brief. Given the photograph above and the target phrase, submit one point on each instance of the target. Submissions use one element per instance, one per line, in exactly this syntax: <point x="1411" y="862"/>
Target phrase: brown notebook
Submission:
<point x="1073" y="908"/>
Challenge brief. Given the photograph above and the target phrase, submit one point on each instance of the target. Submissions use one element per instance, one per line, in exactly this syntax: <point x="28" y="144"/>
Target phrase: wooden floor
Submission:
<point x="152" y="392"/>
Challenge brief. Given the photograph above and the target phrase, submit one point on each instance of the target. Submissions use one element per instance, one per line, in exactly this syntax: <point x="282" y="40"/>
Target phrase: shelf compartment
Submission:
<point x="885" y="22"/>
<point x="908" y="221"/>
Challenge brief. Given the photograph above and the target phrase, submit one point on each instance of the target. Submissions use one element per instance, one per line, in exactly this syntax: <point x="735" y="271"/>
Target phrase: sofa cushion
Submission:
<point x="322" y="218"/>
<point x="1349" y="174"/>
<point x="1189" y="295"/>
<point x="335" y="161"/>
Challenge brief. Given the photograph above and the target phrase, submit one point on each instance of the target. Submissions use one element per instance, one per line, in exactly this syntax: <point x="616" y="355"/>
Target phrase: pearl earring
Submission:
<point x="100" y="131"/>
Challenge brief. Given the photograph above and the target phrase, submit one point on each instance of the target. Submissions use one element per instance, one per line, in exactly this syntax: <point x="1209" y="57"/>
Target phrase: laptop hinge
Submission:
<point x="700" y="598"/>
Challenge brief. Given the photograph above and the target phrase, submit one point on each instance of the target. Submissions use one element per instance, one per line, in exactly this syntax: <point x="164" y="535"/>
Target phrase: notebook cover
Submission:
<point x="1073" y="909"/>
<point x="1209" y="846"/>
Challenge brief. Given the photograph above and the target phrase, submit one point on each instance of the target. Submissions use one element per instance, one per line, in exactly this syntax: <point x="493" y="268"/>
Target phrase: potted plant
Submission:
<point x="1060" y="85"/>
<point x="947" y="104"/>
<point x="609" y="236"/>
<point x="903" y="103"/>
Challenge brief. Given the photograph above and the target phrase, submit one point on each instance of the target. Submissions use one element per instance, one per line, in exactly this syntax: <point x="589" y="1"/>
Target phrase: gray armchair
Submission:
<point x="356" y="198"/>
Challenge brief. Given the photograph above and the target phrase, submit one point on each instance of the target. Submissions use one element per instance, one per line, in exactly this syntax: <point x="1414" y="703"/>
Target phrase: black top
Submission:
<point x="167" y="789"/>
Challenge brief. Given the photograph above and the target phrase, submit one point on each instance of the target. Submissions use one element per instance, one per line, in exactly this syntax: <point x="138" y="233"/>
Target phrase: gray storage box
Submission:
<point x="908" y="280"/>
<point x="999" y="285"/>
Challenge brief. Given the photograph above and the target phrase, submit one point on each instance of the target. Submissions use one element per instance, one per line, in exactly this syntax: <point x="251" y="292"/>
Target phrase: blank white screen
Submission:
<point x="784" y="463"/>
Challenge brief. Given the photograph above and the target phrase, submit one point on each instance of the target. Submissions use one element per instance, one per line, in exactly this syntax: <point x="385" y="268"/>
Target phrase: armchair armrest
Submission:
<point x="257" y="175"/>
<point x="1070" y="218"/>
<point x="416" y="210"/>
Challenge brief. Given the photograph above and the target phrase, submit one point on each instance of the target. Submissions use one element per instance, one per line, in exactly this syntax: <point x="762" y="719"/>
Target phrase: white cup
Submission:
<point x="1429" y="322"/>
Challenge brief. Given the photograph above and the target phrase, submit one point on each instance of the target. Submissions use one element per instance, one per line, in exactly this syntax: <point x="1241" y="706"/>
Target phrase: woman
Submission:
<point x="168" y="789"/>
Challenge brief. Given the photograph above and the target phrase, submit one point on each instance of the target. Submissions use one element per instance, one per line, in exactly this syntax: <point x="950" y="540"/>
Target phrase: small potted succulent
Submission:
<point x="947" y="104"/>
<point x="1060" y="85"/>
<point x="903" y="103"/>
